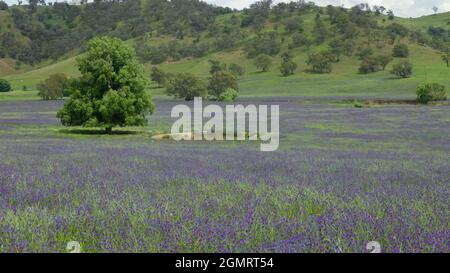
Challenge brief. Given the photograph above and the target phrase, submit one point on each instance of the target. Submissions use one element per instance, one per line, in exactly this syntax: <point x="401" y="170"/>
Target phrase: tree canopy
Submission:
<point x="111" y="91"/>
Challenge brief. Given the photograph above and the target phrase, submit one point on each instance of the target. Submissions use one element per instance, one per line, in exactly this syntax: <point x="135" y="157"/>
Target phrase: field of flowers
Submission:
<point x="342" y="177"/>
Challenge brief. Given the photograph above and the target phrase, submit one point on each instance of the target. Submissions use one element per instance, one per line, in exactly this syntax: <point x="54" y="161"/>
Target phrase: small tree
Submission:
<point x="111" y="91"/>
<point x="431" y="92"/>
<point x="5" y="86"/>
<point x="320" y="62"/>
<point x="403" y="69"/>
<point x="236" y="69"/>
<point x="400" y="51"/>
<point x="288" y="68"/>
<point x="158" y="76"/>
<point x="446" y="57"/>
<point x="53" y="87"/>
<point x="220" y="82"/>
<point x="186" y="86"/>
<point x="263" y="62"/>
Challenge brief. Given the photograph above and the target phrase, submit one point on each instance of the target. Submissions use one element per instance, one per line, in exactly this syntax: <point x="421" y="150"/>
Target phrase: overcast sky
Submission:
<point x="403" y="8"/>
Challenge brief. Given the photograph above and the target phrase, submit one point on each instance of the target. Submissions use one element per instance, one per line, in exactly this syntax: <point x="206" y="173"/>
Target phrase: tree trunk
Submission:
<point x="108" y="130"/>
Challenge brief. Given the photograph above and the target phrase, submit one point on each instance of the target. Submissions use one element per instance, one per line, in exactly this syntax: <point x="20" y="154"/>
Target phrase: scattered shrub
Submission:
<point x="263" y="62"/>
<point x="5" y="86"/>
<point x="431" y="92"/>
<point x="288" y="68"/>
<point x="402" y="69"/>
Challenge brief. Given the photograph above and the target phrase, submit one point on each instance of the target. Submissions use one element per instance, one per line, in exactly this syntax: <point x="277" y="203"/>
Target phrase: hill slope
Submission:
<point x="232" y="38"/>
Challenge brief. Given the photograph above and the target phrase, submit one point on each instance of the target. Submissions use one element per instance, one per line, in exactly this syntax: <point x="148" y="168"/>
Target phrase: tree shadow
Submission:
<point x="97" y="132"/>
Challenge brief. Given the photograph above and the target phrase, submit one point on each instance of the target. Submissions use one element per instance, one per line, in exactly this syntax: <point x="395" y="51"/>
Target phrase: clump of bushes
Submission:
<point x="321" y="62"/>
<point x="403" y="69"/>
<point x="53" y="87"/>
<point x="5" y="86"/>
<point x="374" y="63"/>
<point x="263" y="62"/>
<point x="428" y="92"/>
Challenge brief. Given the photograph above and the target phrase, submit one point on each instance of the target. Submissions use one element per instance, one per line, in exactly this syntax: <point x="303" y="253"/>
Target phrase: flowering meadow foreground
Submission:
<point x="342" y="177"/>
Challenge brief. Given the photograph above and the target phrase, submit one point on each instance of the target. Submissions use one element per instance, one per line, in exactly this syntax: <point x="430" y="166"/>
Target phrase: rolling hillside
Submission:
<point x="343" y="81"/>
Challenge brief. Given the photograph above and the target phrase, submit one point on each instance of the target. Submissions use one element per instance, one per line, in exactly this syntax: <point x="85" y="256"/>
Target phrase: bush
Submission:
<point x="158" y="76"/>
<point x="5" y="86"/>
<point x="288" y="68"/>
<point x="374" y="64"/>
<point x="186" y="86"/>
<point x="431" y="92"/>
<point x="321" y="62"/>
<point x="263" y="62"/>
<point x="220" y="82"/>
<point x="400" y="51"/>
<point x="403" y="69"/>
<point x="53" y="87"/>
<point x="229" y="95"/>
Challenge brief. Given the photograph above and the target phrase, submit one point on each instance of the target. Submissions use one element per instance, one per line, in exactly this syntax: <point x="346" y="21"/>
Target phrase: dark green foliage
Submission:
<point x="321" y="62"/>
<point x="5" y="86"/>
<point x="341" y="47"/>
<point x="53" y="87"/>
<point x="374" y="63"/>
<point x="111" y="90"/>
<point x="267" y="43"/>
<point x="396" y="30"/>
<point x="236" y="69"/>
<point x="400" y="51"/>
<point x="158" y="76"/>
<point x="293" y="24"/>
<point x="263" y="62"/>
<point x="216" y="66"/>
<point x="186" y="86"/>
<point x="320" y="31"/>
<point x="220" y="82"/>
<point x="365" y="52"/>
<point x="403" y="69"/>
<point x="288" y="68"/>
<point x="3" y="5"/>
<point x="299" y="40"/>
<point x="431" y="92"/>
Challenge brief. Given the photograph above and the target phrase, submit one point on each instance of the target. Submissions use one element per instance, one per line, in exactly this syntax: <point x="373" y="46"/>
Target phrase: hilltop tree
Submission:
<point x="263" y="62"/>
<point x="186" y="86"/>
<point x="435" y="9"/>
<point x="111" y="90"/>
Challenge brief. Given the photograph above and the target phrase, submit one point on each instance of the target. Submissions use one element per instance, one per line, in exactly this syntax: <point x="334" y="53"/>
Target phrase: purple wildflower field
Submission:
<point x="342" y="177"/>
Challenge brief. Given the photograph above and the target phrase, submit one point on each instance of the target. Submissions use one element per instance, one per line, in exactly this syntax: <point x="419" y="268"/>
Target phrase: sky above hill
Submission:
<point x="402" y="8"/>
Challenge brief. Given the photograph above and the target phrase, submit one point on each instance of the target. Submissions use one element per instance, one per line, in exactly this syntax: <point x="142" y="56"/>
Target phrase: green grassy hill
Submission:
<point x="343" y="81"/>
